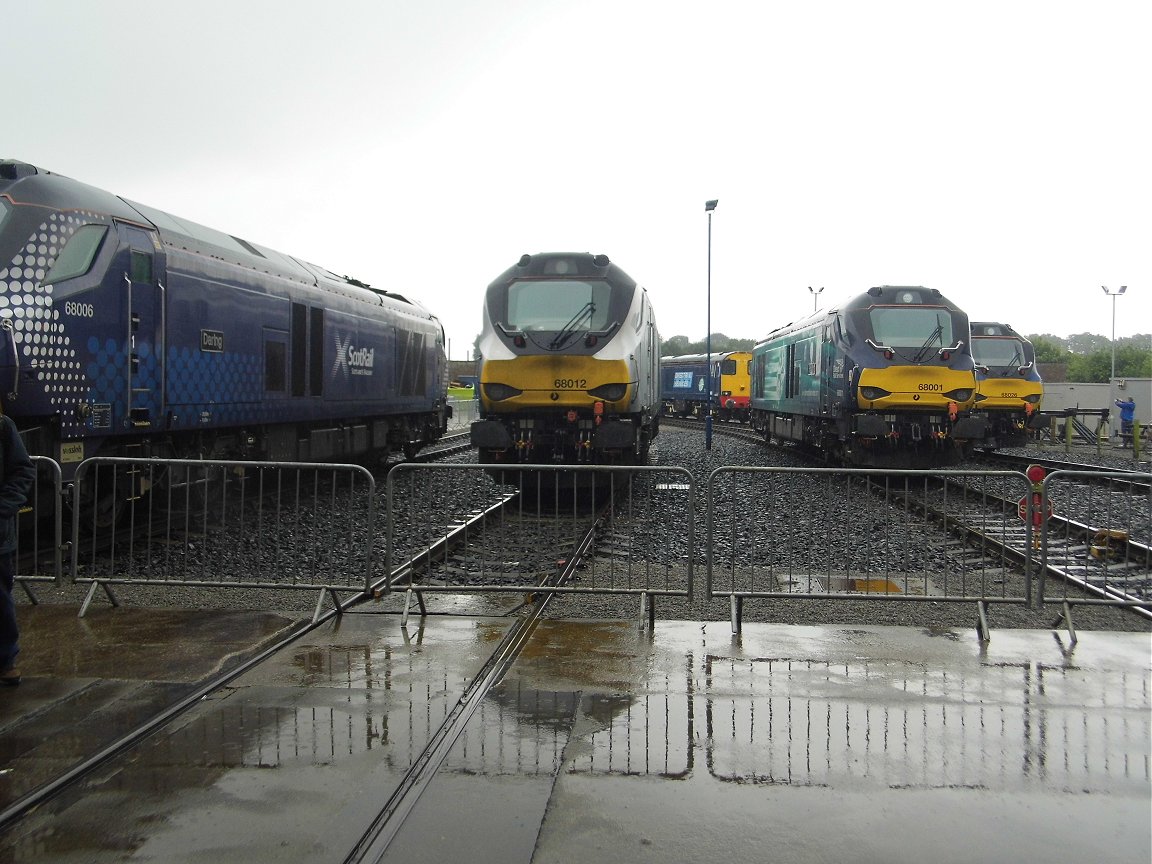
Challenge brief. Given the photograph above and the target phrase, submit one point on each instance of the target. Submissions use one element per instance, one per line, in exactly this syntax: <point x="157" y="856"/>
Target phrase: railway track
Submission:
<point x="1092" y="562"/>
<point x="373" y="843"/>
<point x="1093" y="549"/>
<point x="481" y="527"/>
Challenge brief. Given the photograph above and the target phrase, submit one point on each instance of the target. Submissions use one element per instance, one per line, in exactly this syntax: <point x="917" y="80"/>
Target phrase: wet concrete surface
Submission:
<point x="88" y="681"/>
<point x="604" y="742"/>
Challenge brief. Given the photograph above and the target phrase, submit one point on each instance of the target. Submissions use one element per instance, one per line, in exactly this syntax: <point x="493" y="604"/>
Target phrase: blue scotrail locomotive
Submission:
<point x="127" y="331"/>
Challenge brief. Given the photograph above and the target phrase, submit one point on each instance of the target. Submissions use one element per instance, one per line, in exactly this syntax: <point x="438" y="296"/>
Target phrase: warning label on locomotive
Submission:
<point x="71" y="451"/>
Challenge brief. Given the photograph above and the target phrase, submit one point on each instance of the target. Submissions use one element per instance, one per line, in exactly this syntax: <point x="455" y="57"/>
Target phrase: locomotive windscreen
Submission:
<point x="911" y="326"/>
<point x="555" y="304"/>
<point x="998" y="351"/>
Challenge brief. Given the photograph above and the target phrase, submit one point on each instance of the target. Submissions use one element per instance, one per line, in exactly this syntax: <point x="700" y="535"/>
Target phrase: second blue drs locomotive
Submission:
<point x="127" y="331"/>
<point x="884" y="380"/>
<point x="1008" y="385"/>
<point x="570" y="370"/>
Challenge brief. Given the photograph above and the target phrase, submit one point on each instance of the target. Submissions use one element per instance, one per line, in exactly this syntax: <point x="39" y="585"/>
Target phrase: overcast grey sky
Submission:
<point x="997" y="151"/>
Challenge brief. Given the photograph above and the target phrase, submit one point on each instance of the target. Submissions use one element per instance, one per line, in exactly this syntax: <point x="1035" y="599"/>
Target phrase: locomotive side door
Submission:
<point x="140" y="259"/>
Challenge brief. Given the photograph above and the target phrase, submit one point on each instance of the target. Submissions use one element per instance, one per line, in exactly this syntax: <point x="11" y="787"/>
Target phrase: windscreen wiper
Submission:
<point x="569" y="330"/>
<point x="934" y="336"/>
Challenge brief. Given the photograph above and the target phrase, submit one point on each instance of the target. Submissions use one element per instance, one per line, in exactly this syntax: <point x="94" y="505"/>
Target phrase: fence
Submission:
<point x="40" y="529"/>
<point x="828" y="534"/>
<point x="464" y="411"/>
<point x="226" y="524"/>
<point x="1103" y="540"/>
<point x="497" y="529"/>
<point x="864" y="533"/>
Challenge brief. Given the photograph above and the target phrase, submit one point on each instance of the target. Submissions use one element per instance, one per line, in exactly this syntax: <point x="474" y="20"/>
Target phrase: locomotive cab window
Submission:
<point x="557" y="304"/>
<point x="76" y="258"/>
<point x="1000" y="351"/>
<point x="728" y="367"/>
<point x="911" y="326"/>
<point x="140" y="267"/>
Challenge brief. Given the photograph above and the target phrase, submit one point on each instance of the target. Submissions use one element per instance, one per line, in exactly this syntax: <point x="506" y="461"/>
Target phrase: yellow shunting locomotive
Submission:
<point x="570" y="368"/>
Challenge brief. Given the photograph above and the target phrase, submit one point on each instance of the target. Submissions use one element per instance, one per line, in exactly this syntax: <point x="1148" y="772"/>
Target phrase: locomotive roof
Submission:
<point x="48" y="189"/>
<point x="994" y="328"/>
<point x="879" y="295"/>
<point x="700" y="358"/>
<point x="564" y="265"/>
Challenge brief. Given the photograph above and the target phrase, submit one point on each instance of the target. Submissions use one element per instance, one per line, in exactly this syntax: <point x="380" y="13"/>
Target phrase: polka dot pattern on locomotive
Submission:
<point x="226" y="386"/>
<point x="36" y="327"/>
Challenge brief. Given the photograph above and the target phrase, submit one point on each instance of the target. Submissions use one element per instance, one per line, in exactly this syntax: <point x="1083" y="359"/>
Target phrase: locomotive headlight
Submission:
<point x="873" y="393"/>
<point x="980" y="397"/>
<point x="1033" y="398"/>
<point x="961" y="395"/>
<point x="499" y="392"/>
<point x="609" y="392"/>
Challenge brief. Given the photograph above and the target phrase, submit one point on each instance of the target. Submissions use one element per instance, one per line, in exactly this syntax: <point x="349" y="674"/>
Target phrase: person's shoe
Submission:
<point x="10" y="678"/>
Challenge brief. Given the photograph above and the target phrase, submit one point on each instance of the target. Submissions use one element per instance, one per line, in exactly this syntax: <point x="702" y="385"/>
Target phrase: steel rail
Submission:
<point x="72" y="776"/>
<point x="1020" y="555"/>
<point x="131" y="738"/>
<point x="373" y="844"/>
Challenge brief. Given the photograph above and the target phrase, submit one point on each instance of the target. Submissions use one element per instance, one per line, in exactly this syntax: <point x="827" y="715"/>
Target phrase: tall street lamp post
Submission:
<point x="815" y="294"/>
<point x="1123" y="288"/>
<point x="709" y="206"/>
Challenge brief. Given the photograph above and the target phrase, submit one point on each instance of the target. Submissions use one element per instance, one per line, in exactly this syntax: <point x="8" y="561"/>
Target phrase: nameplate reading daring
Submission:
<point x="212" y="341"/>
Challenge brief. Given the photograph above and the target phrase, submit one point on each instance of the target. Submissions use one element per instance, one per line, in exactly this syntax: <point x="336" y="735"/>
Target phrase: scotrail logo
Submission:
<point x="352" y="360"/>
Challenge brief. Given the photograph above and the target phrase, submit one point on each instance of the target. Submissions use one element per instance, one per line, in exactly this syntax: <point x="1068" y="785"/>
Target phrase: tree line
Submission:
<point x="1088" y="357"/>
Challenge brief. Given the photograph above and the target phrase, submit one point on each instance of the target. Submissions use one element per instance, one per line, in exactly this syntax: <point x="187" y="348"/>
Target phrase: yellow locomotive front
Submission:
<point x="570" y="359"/>
<point x="1008" y="385"/>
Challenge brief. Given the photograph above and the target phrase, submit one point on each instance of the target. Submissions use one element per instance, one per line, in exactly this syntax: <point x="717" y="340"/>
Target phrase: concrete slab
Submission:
<point x="87" y="681"/>
<point x="289" y="764"/>
<point x="786" y="743"/>
<point x="866" y="744"/>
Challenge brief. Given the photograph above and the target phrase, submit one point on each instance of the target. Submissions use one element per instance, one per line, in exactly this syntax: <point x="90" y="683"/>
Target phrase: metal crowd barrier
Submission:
<point x="902" y="539"/>
<point x="468" y="529"/>
<point x="464" y="411"/>
<point x="1104" y="544"/>
<point x="500" y="528"/>
<point x="40" y="545"/>
<point x="223" y="524"/>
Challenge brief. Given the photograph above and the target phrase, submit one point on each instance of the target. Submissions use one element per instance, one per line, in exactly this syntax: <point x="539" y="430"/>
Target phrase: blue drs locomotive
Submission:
<point x="1008" y="385"/>
<point x="884" y="380"/>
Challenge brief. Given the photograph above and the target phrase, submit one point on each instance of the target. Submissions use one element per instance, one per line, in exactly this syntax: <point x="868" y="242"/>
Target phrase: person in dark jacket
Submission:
<point x="18" y="476"/>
